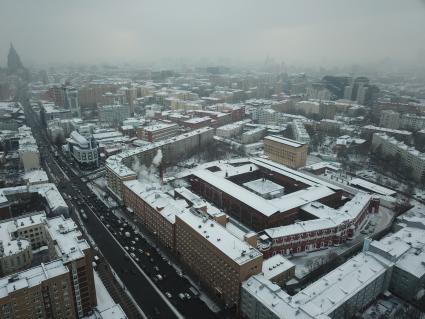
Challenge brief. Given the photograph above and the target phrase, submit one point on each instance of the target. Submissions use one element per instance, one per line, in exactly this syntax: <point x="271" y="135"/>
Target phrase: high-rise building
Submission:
<point x="71" y="101"/>
<point x="44" y="291"/>
<point x="13" y="60"/>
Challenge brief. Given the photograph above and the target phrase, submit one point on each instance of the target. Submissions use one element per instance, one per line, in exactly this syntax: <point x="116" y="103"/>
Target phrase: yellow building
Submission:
<point x="285" y="151"/>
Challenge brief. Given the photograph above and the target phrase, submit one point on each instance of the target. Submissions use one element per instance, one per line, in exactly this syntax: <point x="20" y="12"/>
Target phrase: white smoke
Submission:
<point x="148" y="176"/>
<point x="136" y="165"/>
<point x="158" y="158"/>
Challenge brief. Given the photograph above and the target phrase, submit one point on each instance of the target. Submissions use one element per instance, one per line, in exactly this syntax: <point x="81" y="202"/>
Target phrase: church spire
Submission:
<point x="13" y="60"/>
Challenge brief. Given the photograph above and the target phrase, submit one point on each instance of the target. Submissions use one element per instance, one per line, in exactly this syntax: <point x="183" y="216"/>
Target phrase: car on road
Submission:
<point x="169" y="295"/>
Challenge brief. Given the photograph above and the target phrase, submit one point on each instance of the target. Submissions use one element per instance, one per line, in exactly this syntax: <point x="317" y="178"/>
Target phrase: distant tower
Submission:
<point x="13" y="60"/>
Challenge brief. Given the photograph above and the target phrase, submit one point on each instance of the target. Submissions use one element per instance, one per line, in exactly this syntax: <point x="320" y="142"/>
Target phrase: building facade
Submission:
<point x="83" y="150"/>
<point x="409" y="156"/>
<point x="220" y="260"/>
<point x="299" y="132"/>
<point x="390" y="119"/>
<point x="157" y="132"/>
<point x="41" y="292"/>
<point x="113" y="114"/>
<point x="285" y="151"/>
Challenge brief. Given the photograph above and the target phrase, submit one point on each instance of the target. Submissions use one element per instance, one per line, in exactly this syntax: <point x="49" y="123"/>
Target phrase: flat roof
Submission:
<point x="31" y="277"/>
<point x="263" y="186"/>
<point x="114" y="163"/>
<point x="375" y="188"/>
<point x="275" y="266"/>
<point x="69" y="242"/>
<point x="234" y="248"/>
<point x="284" y="140"/>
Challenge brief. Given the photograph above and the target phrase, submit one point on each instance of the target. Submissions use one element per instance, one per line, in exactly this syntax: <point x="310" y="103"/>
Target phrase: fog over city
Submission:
<point x="305" y="32"/>
<point x="222" y="159"/>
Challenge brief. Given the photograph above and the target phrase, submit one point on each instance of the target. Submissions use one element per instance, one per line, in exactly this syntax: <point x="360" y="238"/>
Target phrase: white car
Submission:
<point x="168" y="295"/>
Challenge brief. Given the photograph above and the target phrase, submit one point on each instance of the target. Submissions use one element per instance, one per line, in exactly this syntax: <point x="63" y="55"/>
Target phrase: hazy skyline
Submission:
<point x="327" y="32"/>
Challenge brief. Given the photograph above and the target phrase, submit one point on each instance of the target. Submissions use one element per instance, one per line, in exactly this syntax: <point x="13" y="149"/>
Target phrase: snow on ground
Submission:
<point x="311" y="159"/>
<point x="307" y="262"/>
<point x="104" y="299"/>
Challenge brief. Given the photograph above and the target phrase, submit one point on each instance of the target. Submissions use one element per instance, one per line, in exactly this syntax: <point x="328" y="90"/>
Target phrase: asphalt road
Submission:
<point x="147" y="296"/>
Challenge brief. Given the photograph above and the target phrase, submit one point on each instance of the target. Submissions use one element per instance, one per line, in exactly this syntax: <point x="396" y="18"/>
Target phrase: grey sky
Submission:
<point x="295" y="31"/>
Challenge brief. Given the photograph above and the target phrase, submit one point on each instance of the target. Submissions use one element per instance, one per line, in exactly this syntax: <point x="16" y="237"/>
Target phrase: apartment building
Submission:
<point x="28" y="149"/>
<point x="155" y="209"/>
<point x="412" y="122"/>
<point x="157" y="132"/>
<point x="409" y="155"/>
<point x="220" y="260"/>
<point x="389" y="119"/>
<point x="339" y="294"/>
<point x="368" y="130"/>
<point x="18" y="238"/>
<point x="118" y="166"/>
<point x="23" y="236"/>
<point x="44" y="291"/>
<point x="285" y="151"/>
<point x="308" y="107"/>
<point x="114" y="114"/>
<point x="299" y="132"/>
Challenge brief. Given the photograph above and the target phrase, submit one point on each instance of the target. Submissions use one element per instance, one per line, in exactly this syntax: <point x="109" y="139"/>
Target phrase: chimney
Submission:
<point x="251" y="238"/>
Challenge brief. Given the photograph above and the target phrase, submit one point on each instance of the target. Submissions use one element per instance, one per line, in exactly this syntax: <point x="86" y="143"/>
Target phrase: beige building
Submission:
<point x="285" y="151"/>
<point x="157" y="132"/>
<point x="221" y="260"/>
<point x="44" y="291"/>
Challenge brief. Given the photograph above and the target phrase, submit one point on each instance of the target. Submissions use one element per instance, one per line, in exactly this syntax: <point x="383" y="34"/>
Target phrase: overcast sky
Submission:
<point x="324" y="32"/>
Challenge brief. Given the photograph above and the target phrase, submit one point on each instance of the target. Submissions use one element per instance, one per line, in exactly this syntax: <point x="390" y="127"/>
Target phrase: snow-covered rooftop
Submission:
<point x="375" y="188"/>
<point x="10" y="244"/>
<point x="406" y="248"/>
<point x="283" y="140"/>
<point x="31" y="277"/>
<point x="236" y="249"/>
<point x="70" y="244"/>
<point x="114" y="163"/>
<point x="275" y="266"/>
<point x="327" y="217"/>
<point x="37" y="176"/>
<point x="323" y="296"/>
<point x="47" y="190"/>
